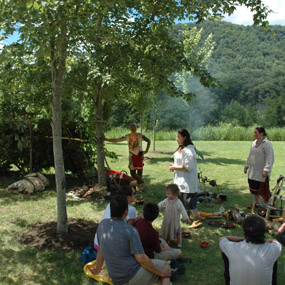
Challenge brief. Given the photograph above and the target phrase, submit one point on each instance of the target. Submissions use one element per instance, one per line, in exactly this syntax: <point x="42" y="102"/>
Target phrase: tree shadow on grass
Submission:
<point x="11" y="198"/>
<point x="223" y="161"/>
<point x="169" y="158"/>
<point x="47" y="257"/>
<point x="42" y="267"/>
<point x="156" y="160"/>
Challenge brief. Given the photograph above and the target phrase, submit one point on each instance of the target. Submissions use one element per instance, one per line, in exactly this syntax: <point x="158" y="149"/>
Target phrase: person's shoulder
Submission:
<point x="105" y="222"/>
<point x="131" y="207"/>
<point x="225" y="242"/>
<point x="140" y="222"/>
<point x="189" y="149"/>
<point x="275" y="244"/>
<point x="163" y="201"/>
<point x="178" y="201"/>
<point x="267" y="142"/>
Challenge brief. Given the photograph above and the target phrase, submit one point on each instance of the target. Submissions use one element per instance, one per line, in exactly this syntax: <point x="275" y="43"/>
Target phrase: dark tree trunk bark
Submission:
<point x="154" y="129"/>
<point x="100" y="137"/>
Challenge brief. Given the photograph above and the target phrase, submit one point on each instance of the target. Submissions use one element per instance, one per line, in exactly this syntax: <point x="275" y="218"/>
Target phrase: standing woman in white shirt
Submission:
<point x="259" y="165"/>
<point x="185" y="174"/>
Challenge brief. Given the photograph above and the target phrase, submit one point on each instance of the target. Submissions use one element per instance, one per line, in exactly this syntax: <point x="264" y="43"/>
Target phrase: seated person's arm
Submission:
<point x="232" y="238"/>
<point x="282" y="228"/>
<point x="146" y="263"/>
<point x="99" y="263"/>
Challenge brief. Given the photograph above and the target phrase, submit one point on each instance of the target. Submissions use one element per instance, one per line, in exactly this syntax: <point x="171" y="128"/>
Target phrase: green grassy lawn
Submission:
<point x="223" y="162"/>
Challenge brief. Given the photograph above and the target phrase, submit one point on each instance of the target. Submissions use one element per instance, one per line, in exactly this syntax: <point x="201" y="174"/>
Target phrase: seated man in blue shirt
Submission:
<point x="120" y="246"/>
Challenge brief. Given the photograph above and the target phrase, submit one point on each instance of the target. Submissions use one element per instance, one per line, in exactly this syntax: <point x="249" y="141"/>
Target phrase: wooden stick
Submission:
<point x="67" y="138"/>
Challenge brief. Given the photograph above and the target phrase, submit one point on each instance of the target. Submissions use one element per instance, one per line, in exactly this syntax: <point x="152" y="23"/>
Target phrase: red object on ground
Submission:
<point x="122" y="176"/>
<point x="204" y="244"/>
<point x="118" y="174"/>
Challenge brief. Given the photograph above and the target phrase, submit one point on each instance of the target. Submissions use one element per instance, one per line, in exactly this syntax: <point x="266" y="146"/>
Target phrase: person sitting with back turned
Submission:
<point x="120" y="246"/>
<point x="250" y="260"/>
<point x="153" y="246"/>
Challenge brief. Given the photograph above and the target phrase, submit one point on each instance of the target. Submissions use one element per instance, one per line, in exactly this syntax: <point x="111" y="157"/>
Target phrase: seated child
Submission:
<point x="130" y="192"/>
<point x="153" y="246"/>
<point x="173" y="208"/>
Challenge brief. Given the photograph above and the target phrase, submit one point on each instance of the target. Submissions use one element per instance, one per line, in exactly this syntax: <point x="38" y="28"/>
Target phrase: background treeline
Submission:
<point x="250" y="65"/>
<point x="222" y="132"/>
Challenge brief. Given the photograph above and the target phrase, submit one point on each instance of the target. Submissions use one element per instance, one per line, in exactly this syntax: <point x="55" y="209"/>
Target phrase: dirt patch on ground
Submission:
<point x="43" y="235"/>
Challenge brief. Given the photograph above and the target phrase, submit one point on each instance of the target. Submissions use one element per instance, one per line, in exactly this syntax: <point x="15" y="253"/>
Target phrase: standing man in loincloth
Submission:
<point x="136" y="152"/>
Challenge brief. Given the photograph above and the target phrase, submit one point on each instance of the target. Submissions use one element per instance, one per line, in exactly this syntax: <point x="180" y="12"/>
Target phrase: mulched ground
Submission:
<point x="43" y="235"/>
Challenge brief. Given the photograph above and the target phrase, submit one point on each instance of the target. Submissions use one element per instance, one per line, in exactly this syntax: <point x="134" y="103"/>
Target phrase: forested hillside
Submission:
<point x="250" y="65"/>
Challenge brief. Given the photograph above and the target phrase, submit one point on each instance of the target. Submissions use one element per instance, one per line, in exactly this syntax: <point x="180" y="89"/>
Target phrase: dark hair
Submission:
<point x="131" y="125"/>
<point x="150" y="211"/>
<point x="173" y="188"/>
<point x="126" y="190"/>
<point x="118" y="205"/>
<point x="254" y="229"/>
<point x="261" y="130"/>
<point x="184" y="133"/>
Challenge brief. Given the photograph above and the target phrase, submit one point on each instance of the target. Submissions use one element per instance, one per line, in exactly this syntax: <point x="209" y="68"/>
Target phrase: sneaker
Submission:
<point x="184" y="260"/>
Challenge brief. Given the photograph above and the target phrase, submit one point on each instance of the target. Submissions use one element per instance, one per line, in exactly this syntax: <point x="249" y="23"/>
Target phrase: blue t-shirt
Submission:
<point x="119" y="242"/>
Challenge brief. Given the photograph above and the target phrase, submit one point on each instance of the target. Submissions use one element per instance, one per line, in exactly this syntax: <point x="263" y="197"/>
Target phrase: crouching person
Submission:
<point x="120" y="247"/>
<point x="250" y="260"/>
<point x="154" y="247"/>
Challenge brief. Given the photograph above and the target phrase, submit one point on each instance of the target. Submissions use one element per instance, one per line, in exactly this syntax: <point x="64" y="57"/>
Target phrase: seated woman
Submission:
<point x="130" y="193"/>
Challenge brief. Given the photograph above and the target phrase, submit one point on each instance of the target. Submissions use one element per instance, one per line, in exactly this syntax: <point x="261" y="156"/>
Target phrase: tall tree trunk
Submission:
<point x="31" y="144"/>
<point x="100" y="137"/>
<point x="58" y="71"/>
<point x="154" y="129"/>
<point x="141" y="121"/>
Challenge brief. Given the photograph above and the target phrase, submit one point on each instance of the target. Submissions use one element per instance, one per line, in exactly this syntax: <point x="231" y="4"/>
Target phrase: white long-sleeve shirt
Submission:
<point x="187" y="181"/>
<point x="260" y="159"/>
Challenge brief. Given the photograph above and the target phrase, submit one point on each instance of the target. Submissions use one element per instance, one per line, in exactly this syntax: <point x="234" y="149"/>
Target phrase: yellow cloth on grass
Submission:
<point x="102" y="277"/>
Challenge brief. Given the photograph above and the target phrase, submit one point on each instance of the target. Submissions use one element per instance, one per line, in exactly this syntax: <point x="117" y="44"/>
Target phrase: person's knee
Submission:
<point x="167" y="265"/>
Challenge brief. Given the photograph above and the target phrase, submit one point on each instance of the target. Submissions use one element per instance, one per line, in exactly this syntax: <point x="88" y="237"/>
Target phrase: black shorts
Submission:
<point x="189" y="200"/>
<point x="254" y="186"/>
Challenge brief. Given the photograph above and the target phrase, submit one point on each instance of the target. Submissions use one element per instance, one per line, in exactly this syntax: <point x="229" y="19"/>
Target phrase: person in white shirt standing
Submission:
<point x="250" y="260"/>
<point x="186" y="175"/>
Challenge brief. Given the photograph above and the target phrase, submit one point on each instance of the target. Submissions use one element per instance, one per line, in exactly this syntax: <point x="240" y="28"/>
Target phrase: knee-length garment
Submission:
<point x="173" y="209"/>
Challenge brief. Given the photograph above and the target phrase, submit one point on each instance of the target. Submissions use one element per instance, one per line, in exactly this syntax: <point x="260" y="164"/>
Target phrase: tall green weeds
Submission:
<point x="223" y="132"/>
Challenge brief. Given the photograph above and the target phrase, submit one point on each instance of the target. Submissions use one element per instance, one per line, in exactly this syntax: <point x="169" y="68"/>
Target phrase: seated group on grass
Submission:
<point x="136" y="254"/>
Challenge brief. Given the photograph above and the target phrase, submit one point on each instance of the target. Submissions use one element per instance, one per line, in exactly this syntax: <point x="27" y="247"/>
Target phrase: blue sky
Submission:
<point x="243" y="16"/>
